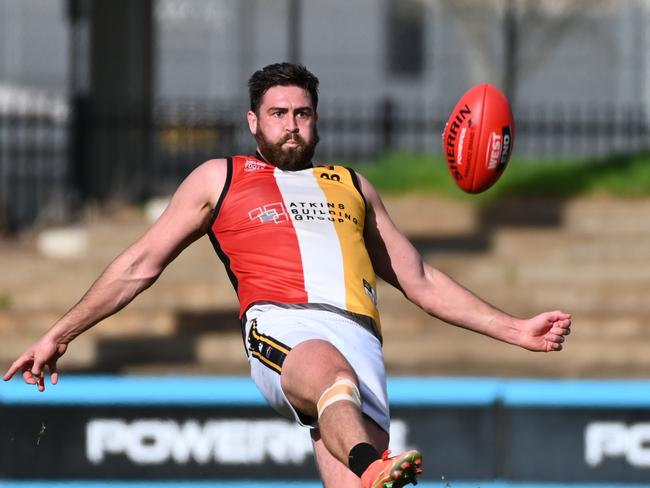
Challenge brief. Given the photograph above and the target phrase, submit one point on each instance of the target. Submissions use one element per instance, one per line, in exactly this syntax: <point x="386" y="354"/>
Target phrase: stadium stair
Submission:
<point x="585" y="256"/>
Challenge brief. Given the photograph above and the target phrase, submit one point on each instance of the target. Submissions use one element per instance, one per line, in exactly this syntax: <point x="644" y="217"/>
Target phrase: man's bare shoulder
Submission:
<point x="367" y="189"/>
<point x="213" y="168"/>
<point x="208" y="179"/>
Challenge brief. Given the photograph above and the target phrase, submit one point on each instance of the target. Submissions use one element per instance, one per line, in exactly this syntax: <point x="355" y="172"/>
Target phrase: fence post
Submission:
<point x="387" y="124"/>
<point x="112" y="107"/>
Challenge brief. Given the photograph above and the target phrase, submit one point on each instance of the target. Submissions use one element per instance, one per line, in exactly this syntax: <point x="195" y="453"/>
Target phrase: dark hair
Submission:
<point x="281" y="74"/>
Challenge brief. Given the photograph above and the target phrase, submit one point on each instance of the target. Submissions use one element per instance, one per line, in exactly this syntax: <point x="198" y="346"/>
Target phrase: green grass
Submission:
<point x="621" y="176"/>
<point x="5" y="302"/>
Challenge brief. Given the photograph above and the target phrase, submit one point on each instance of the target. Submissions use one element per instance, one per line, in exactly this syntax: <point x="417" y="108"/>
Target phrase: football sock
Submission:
<point x="361" y="456"/>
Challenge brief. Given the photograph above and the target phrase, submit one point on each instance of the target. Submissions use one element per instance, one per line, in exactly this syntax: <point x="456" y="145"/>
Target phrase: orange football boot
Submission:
<point x="393" y="472"/>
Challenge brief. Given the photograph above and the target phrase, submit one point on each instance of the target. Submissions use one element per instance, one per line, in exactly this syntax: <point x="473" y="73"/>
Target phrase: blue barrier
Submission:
<point x="197" y="391"/>
<point x="592" y="433"/>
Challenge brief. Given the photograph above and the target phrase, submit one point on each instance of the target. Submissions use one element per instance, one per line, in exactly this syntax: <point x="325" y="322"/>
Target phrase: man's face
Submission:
<point x="285" y="127"/>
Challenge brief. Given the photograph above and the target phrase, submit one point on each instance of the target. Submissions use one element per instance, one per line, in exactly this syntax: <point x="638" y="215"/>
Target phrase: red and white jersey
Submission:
<point x="295" y="237"/>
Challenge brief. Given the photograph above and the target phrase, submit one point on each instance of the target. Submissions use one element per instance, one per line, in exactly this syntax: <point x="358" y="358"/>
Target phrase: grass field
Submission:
<point x="619" y="176"/>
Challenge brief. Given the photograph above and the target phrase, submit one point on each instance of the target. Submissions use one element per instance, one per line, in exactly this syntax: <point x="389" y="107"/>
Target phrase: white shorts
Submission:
<point x="272" y="330"/>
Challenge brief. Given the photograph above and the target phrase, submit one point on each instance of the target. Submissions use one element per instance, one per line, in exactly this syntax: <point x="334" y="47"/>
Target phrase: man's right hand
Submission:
<point x="32" y="363"/>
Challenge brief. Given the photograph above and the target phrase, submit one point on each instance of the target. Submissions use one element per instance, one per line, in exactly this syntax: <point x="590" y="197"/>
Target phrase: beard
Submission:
<point x="288" y="159"/>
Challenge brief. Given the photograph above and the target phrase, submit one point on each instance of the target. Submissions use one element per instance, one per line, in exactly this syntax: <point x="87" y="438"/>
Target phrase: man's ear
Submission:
<point x="252" y="121"/>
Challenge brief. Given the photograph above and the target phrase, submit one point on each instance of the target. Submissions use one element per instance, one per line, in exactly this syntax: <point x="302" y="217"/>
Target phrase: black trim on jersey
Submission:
<point x="267" y="350"/>
<point x="224" y="191"/>
<point x="213" y="238"/>
<point x="357" y="185"/>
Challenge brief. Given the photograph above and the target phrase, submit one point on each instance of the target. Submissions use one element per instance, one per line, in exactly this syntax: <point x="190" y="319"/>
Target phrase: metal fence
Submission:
<point x="36" y="150"/>
<point x="34" y="163"/>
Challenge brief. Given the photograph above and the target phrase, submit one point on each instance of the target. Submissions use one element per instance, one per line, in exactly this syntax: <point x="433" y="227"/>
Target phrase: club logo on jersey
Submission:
<point x="370" y="291"/>
<point x="253" y="165"/>
<point x="273" y="212"/>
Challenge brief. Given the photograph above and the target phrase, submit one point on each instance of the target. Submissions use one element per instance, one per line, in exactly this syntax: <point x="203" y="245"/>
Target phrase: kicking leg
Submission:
<point x="332" y="471"/>
<point x="311" y="368"/>
<point x="319" y="382"/>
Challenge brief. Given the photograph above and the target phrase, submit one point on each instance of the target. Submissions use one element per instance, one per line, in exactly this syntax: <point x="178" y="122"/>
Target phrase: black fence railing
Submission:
<point x="38" y="171"/>
<point x="34" y="164"/>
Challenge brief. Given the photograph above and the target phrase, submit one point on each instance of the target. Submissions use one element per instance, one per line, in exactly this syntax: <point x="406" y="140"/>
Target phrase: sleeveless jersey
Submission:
<point x="295" y="238"/>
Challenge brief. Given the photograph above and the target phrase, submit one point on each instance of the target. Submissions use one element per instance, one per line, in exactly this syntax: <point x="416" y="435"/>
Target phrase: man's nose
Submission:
<point x="292" y="125"/>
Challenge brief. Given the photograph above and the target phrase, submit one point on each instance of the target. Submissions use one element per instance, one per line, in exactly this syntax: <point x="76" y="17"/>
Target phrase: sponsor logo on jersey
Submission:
<point x="273" y="212"/>
<point x="303" y="210"/>
<point x="253" y="165"/>
<point x="323" y="211"/>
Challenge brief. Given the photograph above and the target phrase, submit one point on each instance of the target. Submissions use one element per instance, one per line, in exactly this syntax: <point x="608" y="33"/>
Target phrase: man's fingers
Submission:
<point x="560" y="330"/>
<point x="37" y="367"/>
<point x="557" y="317"/>
<point x="32" y="371"/>
<point x="561" y="315"/>
<point x="32" y="378"/>
<point x="10" y="373"/>
<point x="32" y="364"/>
<point x="15" y="366"/>
<point x="40" y="382"/>
<point x="558" y="339"/>
<point x="28" y="376"/>
<point x="54" y="372"/>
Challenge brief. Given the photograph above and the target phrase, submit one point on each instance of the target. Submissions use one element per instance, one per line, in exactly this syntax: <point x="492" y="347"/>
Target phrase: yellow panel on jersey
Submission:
<point x="348" y="212"/>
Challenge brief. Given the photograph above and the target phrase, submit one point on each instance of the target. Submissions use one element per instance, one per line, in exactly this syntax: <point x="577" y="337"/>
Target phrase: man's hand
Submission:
<point x="545" y="332"/>
<point x="32" y="363"/>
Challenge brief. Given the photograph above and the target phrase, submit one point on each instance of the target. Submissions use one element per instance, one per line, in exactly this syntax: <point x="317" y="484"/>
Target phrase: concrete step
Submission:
<point x="544" y="272"/>
<point x="607" y="216"/>
<point x="596" y="216"/>
<point x="560" y="245"/>
<point x="597" y="347"/>
<point x="479" y="356"/>
<point x="32" y="283"/>
<point x="426" y="216"/>
<point x="132" y="339"/>
<point x="588" y="257"/>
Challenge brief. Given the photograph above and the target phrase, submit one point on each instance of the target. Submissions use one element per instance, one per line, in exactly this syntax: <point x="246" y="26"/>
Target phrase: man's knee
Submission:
<point x="319" y="362"/>
<point x="342" y="390"/>
<point x="311" y="368"/>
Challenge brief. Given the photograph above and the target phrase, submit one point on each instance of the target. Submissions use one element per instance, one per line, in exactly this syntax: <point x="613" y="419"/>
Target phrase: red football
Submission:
<point x="478" y="138"/>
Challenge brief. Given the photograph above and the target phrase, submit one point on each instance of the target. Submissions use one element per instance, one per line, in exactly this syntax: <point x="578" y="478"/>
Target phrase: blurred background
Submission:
<point x="105" y="106"/>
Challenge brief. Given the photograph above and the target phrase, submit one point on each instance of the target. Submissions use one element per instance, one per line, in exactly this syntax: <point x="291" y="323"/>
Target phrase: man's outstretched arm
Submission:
<point x="399" y="263"/>
<point x="136" y="269"/>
